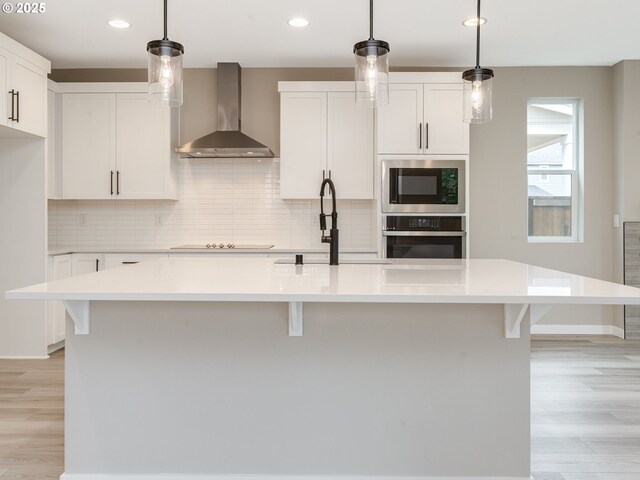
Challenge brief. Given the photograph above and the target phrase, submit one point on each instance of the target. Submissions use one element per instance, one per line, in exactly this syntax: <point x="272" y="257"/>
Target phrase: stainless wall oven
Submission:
<point x="434" y="185"/>
<point x="424" y="237"/>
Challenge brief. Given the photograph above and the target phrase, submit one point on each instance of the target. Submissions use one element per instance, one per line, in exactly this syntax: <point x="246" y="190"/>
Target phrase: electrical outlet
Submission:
<point x="616" y="220"/>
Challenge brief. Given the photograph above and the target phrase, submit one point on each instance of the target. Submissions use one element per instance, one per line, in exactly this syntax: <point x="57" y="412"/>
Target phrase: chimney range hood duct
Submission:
<point x="228" y="141"/>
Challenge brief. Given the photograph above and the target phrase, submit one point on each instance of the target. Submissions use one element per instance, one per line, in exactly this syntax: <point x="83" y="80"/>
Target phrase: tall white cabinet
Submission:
<point x="424" y="116"/>
<point x="324" y="134"/>
<point x="115" y="144"/>
<point x="23" y="206"/>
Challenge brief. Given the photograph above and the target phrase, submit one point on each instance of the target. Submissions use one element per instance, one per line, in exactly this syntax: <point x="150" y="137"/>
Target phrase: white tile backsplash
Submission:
<point x="221" y="200"/>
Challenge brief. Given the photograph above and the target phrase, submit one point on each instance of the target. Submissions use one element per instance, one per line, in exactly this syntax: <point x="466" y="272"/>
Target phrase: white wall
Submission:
<point x="221" y="200"/>
<point x="23" y="211"/>
<point x="498" y="182"/>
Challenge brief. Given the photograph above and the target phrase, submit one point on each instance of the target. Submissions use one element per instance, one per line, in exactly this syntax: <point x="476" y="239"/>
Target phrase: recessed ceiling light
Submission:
<point x="473" y="22"/>
<point x="119" y="23"/>
<point x="298" y="22"/>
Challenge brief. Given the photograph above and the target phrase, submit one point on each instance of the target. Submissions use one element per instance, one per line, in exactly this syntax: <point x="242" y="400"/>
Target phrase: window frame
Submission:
<point x="576" y="173"/>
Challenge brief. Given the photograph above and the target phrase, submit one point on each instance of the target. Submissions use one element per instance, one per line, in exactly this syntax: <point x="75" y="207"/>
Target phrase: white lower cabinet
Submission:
<point x="113" y="260"/>
<point x="87" y="263"/>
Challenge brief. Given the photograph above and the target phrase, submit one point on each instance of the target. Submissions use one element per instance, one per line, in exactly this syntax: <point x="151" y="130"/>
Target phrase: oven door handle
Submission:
<point x="393" y="233"/>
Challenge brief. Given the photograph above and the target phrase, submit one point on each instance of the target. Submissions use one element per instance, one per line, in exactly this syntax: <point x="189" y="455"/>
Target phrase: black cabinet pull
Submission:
<point x="323" y="175"/>
<point x="329" y="174"/>
<point x="420" y="136"/>
<point x="17" y="106"/>
<point x="426" y="136"/>
<point x="111" y="182"/>
<point x="118" y="182"/>
<point x="13" y="105"/>
<point x="97" y="264"/>
<point x="129" y="263"/>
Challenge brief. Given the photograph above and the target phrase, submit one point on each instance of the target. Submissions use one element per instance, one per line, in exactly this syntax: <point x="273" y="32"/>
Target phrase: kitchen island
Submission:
<point x="215" y="367"/>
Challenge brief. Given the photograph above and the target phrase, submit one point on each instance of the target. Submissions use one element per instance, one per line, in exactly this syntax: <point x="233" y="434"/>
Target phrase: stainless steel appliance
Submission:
<point x="424" y="237"/>
<point x="228" y="141"/>
<point x="435" y="185"/>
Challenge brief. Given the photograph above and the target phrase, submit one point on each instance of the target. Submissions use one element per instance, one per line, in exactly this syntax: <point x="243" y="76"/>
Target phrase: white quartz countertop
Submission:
<point x="217" y="278"/>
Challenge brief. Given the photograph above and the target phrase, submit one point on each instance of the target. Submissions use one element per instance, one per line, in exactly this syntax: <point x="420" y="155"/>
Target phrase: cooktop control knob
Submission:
<point x="230" y="245"/>
<point x="221" y="245"/>
<point x="208" y="245"/>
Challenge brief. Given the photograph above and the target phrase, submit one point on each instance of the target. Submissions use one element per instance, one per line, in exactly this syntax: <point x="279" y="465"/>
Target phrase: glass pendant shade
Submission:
<point x="372" y="73"/>
<point x="478" y="106"/>
<point x="165" y="72"/>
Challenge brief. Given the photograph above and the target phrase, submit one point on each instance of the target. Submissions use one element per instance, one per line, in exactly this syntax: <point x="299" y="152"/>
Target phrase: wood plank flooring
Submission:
<point x="32" y="418"/>
<point x="585" y="412"/>
<point x="585" y="408"/>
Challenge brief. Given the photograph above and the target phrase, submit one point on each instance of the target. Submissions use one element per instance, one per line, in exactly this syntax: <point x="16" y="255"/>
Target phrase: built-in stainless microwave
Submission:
<point x="433" y="185"/>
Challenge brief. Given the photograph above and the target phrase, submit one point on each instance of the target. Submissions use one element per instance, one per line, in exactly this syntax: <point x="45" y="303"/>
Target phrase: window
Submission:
<point x="554" y="165"/>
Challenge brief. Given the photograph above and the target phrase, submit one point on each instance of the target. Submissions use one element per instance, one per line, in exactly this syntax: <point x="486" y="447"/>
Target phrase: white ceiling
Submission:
<point x="75" y="34"/>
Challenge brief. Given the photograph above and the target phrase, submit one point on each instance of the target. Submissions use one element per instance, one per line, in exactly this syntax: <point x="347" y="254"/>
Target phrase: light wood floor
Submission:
<point x="585" y="412"/>
<point x="31" y="418"/>
<point x="585" y="409"/>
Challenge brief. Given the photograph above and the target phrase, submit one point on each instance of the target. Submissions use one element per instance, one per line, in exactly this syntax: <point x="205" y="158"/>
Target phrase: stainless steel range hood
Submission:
<point x="228" y="141"/>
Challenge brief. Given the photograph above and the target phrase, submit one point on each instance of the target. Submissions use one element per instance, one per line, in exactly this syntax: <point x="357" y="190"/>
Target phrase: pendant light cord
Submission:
<point x="477" y="37"/>
<point x="370" y="19"/>
<point x="165" y="21"/>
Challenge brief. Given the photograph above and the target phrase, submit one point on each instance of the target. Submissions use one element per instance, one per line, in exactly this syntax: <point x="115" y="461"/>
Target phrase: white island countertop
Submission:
<point x="263" y="280"/>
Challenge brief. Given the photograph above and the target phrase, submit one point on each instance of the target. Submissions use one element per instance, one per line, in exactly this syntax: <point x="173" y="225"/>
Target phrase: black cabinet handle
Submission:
<point x="426" y="136"/>
<point x="329" y="174"/>
<point x="420" y="136"/>
<point x="13" y="105"/>
<point x="97" y="264"/>
<point x="118" y="182"/>
<point x="17" y="106"/>
<point x="129" y="263"/>
<point x="323" y="174"/>
<point x="111" y="182"/>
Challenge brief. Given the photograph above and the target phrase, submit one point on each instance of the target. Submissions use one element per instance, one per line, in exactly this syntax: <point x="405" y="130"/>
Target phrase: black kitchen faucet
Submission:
<point x="332" y="239"/>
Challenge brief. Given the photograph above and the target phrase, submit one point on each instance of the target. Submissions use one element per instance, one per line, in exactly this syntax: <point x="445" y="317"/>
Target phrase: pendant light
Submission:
<point x="165" y="69"/>
<point x="372" y="69"/>
<point x="477" y="87"/>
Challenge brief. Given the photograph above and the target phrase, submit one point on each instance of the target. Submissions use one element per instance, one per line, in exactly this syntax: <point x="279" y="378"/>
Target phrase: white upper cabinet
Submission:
<point x="423" y="118"/>
<point x="89" y="146"/>
<point x="5" y="66"/>
<point x="445" y="131"/>
<point x="400" y="122"/>
<point x="324" y="134"/>
<point x="144" y="148"/>
<point x="116" y="145"/>
<point x="350" y="146"/>
<point x="23" y="83"/>
<point x="30" y="86"/>
<point x="303" y="143"/>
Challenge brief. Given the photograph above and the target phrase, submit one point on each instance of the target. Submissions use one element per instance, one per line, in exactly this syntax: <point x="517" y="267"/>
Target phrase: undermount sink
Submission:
<point x="325" y="261"/>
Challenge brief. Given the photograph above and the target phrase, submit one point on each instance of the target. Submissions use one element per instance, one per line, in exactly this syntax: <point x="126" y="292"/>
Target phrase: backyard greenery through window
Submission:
<point x="554" y="164"/>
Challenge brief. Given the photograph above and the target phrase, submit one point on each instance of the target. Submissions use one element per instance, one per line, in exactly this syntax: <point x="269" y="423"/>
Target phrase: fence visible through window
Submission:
<point x="553" y="168"/>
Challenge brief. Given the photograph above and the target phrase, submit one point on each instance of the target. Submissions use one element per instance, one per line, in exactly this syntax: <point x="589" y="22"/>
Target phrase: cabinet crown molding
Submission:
<point x="98" y="87"/>
<point x="425" y="77"/>
<point x="25" y="53"/>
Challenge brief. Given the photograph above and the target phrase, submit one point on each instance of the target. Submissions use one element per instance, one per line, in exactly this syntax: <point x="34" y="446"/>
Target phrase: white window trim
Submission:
<point x="577" y="174"/>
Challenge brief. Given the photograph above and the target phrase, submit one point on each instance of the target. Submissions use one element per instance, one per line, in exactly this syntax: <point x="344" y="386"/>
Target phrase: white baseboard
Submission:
<point x="54" y="347"/>
<point x="174" y="476"/>
<point x="577" y="330"/>
<point x="24" y="358"/>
